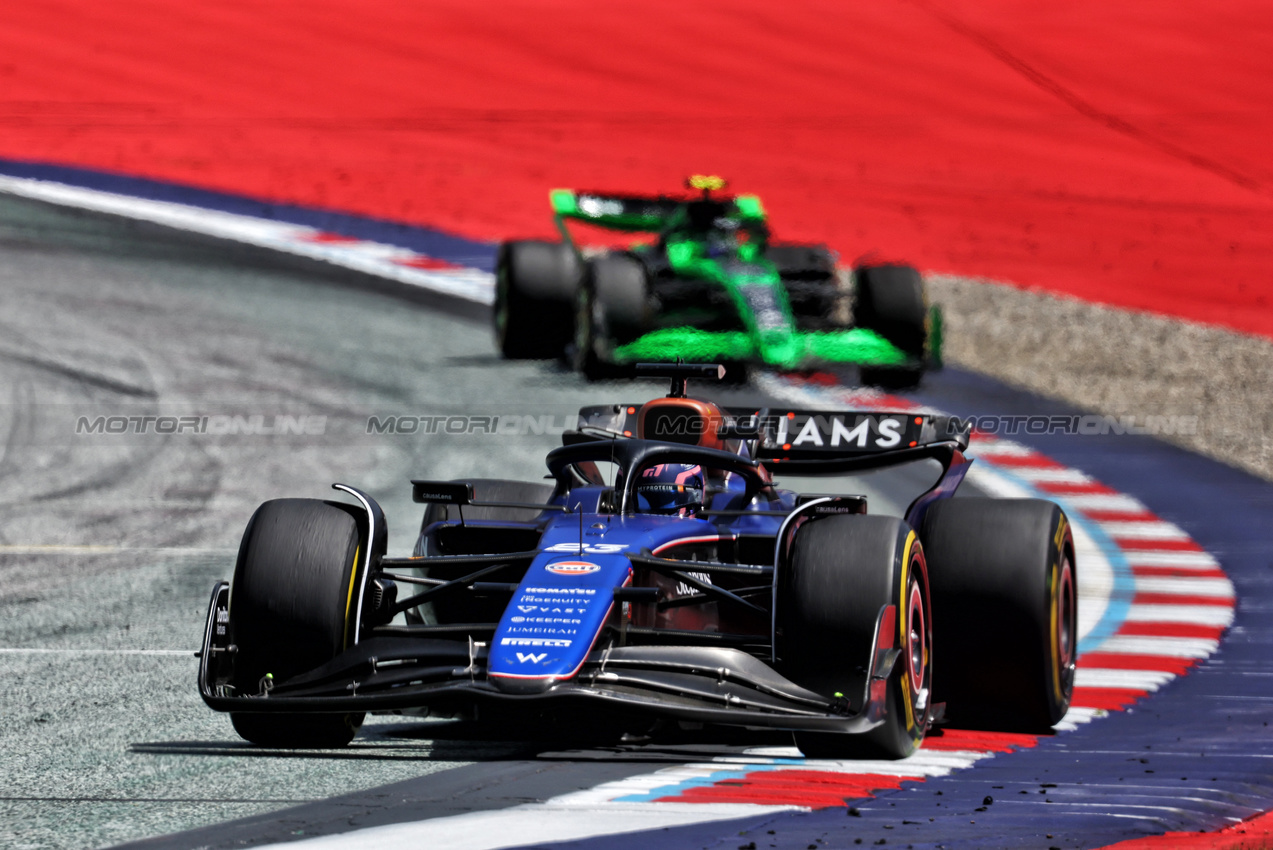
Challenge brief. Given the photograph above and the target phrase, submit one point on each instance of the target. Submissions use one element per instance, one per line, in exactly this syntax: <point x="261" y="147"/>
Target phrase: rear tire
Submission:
<point x="1005" y="587"/>
<point x="890" y="301"/>
<point x="535" y="284"/>
<point x="843" y="570"/>
<point x="290" y="611"/>
<point x="612" y="308"/>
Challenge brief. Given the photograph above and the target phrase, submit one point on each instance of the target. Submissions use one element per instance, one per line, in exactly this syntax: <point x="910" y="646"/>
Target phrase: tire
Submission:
<point x="890" y="301"/>
<point x="612" y="308"/>
<point x="1005" y="589"/>
<point x="842" y="571"/>
<point x="535" y="284"/>
<point x="289" y="612"/>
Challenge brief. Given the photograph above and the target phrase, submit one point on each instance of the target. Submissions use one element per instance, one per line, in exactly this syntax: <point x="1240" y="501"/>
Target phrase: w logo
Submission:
<point x="531" y="657"/>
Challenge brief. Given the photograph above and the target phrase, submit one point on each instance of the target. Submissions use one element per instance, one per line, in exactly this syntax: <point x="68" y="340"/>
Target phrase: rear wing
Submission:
<point x="839" y="440"/>
<point x="812" y="441"/>
<point x="634" y="213"/>
<point x="618" y="212"/>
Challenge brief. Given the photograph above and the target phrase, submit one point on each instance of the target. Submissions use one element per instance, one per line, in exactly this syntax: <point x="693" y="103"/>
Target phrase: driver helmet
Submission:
<point x="671" y="488"/>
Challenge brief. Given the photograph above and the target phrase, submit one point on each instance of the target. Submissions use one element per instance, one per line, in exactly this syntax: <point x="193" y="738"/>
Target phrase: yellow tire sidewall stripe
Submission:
<point x="903" y="611"/>
<point x="349" y="597"/>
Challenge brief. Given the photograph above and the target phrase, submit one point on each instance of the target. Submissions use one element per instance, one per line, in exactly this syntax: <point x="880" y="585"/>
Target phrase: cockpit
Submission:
<point x="673" y="456"/>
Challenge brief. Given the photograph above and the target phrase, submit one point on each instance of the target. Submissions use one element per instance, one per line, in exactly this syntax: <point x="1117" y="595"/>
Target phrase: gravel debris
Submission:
<point x="1118" y="362"/>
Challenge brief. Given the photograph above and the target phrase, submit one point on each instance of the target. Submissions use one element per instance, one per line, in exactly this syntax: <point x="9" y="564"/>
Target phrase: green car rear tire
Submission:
<point x="889" y="300"/>
<point x="535" y="286"/>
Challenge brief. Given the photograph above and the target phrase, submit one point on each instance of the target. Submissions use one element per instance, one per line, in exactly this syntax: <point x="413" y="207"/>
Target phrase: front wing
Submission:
<point x="395" y="671"/>
<point x="799" y="349"/>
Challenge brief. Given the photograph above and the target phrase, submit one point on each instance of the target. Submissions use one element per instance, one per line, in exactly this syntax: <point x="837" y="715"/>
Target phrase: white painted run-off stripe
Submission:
<point x="1175" y="647"/>
<point x="1104" y="502"/>
<point x="670" y="781"/>
<point x="1000" y="448"/>
<point x="1201" y="615"/>
<point x="1145" y="680"/>
<point x="1050" y="475"/>
<point x="924" y="762"/>
<point x="1076" y="717"/>
<point x="1143" y="530"/>
<point x="1184" y="560"/>
<point x="1221" y="588"/>
<point x="1084" y="715"/>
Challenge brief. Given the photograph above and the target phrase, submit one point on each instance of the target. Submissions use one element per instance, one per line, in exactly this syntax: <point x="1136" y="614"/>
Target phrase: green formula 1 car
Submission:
<point x="709" y="286"/>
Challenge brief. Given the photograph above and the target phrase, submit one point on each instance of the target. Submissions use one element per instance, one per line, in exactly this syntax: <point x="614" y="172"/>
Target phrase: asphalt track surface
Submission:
<point x="113" y="543"/>
<point x="110" y="543"/>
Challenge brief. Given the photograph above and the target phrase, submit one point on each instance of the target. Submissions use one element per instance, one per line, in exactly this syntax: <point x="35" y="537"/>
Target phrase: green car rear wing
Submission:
<point x="637" y="214"/>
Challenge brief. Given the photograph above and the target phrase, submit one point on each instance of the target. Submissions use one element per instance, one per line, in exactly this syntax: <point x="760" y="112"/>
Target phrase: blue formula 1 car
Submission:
<point x="663" y="575"/>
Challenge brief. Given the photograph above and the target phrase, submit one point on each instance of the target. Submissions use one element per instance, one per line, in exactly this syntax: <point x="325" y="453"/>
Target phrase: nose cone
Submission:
<point x="523" y="687"/>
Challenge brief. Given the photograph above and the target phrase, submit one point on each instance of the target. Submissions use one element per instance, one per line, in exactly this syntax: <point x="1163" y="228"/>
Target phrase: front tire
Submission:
<point x="843" y="570"/>
<point x="535" y="284"/>
<point x="890" y="300"/>
<point x="1005" y="586"/>
<point x="291" y="611"/>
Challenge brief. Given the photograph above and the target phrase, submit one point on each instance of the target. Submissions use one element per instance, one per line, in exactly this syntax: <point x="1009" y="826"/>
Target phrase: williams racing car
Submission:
<point x="662" y="576"/>
<point x="708" y="285"/>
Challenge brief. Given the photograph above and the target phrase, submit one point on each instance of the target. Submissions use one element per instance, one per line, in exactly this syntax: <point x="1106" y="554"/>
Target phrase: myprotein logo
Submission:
<point x="572" y="568"/>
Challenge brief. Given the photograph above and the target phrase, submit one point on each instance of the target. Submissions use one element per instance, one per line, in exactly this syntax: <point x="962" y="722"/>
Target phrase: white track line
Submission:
<point x="18" y="650"/>
<point x="94" y="549"/>
<point x="386" y="261"/>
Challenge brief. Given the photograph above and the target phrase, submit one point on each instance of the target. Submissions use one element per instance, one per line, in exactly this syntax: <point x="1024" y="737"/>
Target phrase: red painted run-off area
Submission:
<point x="1111" y="149"/>
<point x="1254" y="834"/>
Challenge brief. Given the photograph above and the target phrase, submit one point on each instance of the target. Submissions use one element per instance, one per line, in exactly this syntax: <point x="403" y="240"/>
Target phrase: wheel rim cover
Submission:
<point x="1065" y="615"/>
<point x="916" y="639"/>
